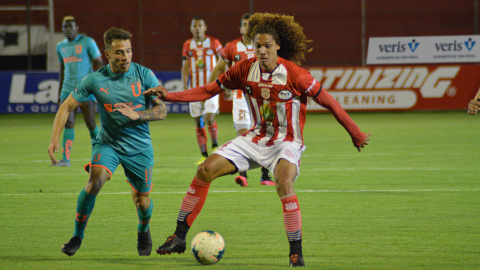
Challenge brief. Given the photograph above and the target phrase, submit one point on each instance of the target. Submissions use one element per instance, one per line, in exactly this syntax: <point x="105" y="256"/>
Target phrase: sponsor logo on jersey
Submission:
<point x="210" y="52"/>
<point x="237" y="57"/>
<point x="291" y="206"/>
<point x="265" y="93"/>
<point x="267" y="113"/>
<point x="285" y="94"/>
<point x="104" y="90"/>
<point x="189" y="54"/>
<point x="200" y="64"/>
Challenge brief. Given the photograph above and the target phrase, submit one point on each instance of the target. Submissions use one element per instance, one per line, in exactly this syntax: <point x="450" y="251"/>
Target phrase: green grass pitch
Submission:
<point x="410" y="200"/>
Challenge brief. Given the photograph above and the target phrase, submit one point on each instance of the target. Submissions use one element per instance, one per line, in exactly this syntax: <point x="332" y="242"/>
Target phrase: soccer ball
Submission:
<point x="208" y="247"/>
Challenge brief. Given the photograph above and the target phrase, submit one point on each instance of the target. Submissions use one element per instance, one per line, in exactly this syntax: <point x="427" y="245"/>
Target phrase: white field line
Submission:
<point x="264" y="191"/>
<point x="192" y="170"/>
<point x="47" y="161"/>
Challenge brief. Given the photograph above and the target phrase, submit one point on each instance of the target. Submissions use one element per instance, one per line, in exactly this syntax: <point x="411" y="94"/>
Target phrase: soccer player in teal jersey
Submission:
<point x="124" y="137"/>
<point x="77" y="54"/>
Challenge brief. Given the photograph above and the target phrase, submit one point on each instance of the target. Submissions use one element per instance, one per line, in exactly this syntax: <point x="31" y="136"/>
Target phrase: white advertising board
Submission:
<point x="423" y="50"/>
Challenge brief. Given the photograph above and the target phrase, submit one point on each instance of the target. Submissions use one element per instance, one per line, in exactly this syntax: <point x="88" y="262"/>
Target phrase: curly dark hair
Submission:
<point x="287" y="33"/>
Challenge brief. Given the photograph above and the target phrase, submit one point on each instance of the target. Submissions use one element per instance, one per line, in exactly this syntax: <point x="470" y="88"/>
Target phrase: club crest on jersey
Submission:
<point x="210" y="52"/>
<point x="237" y="57"/>
<point x="190" y="54"/>
<point x="265" y="93"/>
<point x="285" y="94"/>
<point x="199" y="52"/>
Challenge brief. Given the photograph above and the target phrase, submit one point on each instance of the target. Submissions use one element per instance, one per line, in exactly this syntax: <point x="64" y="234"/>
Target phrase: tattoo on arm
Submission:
<point x="158" y="112"/>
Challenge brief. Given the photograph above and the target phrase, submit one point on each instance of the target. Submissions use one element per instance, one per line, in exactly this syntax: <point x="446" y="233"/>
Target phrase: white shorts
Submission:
<point x="240" y="113"/>
<point x="246" y="155"/>
<point x="200" y="108"/>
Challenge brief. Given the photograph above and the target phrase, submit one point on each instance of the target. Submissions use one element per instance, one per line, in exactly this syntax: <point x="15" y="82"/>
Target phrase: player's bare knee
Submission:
<point x="142" y="203"/>
<point x="205" y="173"/>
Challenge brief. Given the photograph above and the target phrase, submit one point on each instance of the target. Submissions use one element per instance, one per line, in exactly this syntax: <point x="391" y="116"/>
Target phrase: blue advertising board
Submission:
<point x="37" y="92"/>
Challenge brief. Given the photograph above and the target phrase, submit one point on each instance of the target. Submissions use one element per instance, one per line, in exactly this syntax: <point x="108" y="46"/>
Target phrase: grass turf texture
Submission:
<point x="410" y="200"/>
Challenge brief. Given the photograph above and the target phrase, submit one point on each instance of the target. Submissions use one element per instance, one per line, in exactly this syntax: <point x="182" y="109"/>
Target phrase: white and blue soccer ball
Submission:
<point x="208" y="247"/>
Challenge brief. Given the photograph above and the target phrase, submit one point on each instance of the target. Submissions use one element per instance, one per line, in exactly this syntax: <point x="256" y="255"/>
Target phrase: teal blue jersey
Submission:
<point x="77" y="57"/>
<point x="110" y="89"/>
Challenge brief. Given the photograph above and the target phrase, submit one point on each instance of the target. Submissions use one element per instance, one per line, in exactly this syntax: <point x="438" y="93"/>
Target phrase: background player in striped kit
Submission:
<point x="76" y="54"/>
<point x="235" y="51"/>
<point x="277" y="90"/>
<point x="200" y="55"/>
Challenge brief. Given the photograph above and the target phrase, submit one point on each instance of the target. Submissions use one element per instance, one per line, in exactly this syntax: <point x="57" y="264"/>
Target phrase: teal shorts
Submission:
<point x="138" y="167"/>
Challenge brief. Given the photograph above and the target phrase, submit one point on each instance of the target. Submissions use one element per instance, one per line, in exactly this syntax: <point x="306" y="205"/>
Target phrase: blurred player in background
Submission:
<point x="235" y="51"/>
<point x="474" y="104"/>
<point x="200" y="54"/>
<point x="277" y="90"/>
<point x="77" y="54"/>
<point x="124" y="137"/>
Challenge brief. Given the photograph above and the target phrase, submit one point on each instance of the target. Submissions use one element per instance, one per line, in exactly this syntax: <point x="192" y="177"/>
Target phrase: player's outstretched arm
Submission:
<point x="60" y="119"/>
<point x="158" y="91"/>
<point x="473" y="106"/>
<point x="359" y="139"/>
<point x="158" y="112"/>
<point x="200" y="93"/>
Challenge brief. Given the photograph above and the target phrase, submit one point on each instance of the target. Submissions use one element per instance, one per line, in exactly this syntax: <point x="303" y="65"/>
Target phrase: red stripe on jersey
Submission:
<point x="290" y="133"/>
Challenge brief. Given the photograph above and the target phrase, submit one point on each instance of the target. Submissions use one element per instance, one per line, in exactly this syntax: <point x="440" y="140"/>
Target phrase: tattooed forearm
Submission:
<point x="158" y="112"/>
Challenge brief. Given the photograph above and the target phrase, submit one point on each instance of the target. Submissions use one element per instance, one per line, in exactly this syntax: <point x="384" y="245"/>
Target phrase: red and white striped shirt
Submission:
<point x="277" y="100"/>
<point x="234" y="52"/>
<point x="202" y="57"/>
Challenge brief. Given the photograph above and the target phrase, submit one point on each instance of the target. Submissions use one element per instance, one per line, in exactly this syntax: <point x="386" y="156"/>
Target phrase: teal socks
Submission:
<point x="85" y="205"/>
<point x="93" y="133"/>
<point x="144" y="217"/>
<point x="68" y="137"/>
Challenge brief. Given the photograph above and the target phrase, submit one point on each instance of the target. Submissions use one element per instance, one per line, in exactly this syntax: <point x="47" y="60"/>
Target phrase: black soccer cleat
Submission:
<point x="144" y="243"/>
<point x="72" y="246"/>
<point x="173" y="245"/>
<point x="296" y="261"/>
<point x="265" y="179"/>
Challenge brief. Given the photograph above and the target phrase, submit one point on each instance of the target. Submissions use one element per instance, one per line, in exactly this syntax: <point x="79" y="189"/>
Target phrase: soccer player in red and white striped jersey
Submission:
<point x="276" y="89"/>
<point x="234" y="52"/>
<point x="200" y="54"/>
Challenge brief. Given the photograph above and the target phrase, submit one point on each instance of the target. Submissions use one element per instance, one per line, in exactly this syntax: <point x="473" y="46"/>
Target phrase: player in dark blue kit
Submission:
<point x="124" y="137"/>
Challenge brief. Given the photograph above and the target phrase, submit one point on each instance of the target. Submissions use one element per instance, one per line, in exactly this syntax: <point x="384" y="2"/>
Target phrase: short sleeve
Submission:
<point x="217" y="46"/>
<point x="60" y="58"/>
<point x="83" y="89"/>
<point x="227" y="53"/>
<point x="92" y="49"/>
<point x="185" y="50"/>
<point x="150" y="80"/>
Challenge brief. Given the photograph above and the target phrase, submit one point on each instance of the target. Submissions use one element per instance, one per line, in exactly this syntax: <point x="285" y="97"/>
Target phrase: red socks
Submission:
<point x="292" y="218"/>
<point x="193" y="202"/>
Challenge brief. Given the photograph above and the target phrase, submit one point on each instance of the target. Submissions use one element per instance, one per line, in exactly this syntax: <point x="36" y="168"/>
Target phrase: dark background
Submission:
<point x="160" y="27"/>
